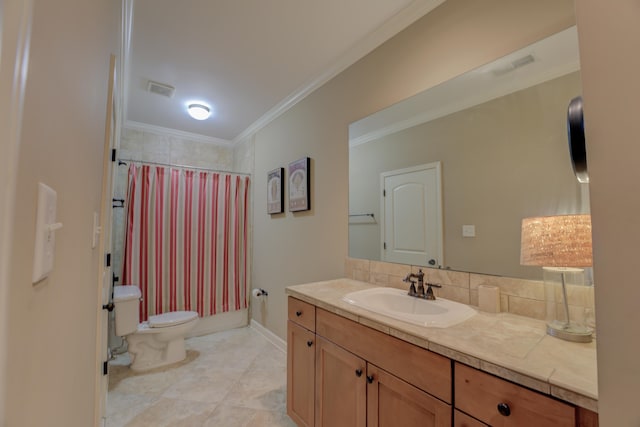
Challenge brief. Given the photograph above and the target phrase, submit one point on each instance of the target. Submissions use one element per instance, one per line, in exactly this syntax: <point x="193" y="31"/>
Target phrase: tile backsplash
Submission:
<point x="517" y="296"/>
<point x="151" y="146"/>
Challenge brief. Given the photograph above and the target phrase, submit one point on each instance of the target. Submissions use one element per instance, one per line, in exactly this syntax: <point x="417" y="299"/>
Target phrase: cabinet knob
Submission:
<point x="298" y="313"/>
<point x="504" y="409"/>
<point x="369" y="379"/>
<point x="309" y="343"/>
<point x="358" y="373"/>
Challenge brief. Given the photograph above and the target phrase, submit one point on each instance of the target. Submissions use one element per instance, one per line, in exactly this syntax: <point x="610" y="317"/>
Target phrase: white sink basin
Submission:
<point x="395" y="303"/>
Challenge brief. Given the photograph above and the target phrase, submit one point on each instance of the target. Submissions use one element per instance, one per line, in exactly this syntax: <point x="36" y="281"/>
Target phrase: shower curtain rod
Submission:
<point x="123" y="162"/>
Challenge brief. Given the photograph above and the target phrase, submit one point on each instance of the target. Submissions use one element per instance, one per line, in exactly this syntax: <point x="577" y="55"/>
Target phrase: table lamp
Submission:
<point x="558" y="242"/>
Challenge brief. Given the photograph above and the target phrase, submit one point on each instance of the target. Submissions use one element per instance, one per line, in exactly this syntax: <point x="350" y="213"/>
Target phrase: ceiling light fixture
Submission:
<point x="199" y="111"/>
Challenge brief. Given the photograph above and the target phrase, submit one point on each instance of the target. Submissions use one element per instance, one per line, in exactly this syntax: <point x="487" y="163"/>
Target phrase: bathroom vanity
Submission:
<point x="349" y="366"/>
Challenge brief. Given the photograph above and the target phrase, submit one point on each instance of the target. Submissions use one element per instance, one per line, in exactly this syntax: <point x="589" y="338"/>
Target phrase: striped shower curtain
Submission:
<point x="186" y="239"/>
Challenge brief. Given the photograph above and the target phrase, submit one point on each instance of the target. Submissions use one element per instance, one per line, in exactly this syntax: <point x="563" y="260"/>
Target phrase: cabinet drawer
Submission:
<point x="480" y="394"/>
<point x="426" y="370"/>
<point x="302" y="313"/>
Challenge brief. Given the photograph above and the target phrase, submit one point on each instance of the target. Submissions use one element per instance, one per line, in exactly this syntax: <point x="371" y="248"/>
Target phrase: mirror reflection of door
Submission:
<point x="411" y="211"/>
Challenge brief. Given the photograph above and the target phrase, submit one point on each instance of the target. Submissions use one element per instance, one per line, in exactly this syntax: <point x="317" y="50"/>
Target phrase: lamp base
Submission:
<point x="569" y="331"/>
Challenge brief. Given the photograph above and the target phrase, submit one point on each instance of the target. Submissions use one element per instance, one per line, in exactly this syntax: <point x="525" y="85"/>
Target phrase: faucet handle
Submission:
<point x="412" y="289"/>
<point x="429" y="293"/>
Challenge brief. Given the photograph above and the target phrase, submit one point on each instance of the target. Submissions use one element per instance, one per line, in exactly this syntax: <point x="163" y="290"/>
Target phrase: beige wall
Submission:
<point x="51" y="343"/>
<point x="457" y="36"/>
<point x="530" y="176"/>
<point x="609" y="34"/>
<point x="15" y="26"/>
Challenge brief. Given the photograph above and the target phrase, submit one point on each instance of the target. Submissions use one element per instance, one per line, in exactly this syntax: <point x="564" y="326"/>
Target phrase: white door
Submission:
<point x="412" y="216"/>
<point x="104" y="243"/>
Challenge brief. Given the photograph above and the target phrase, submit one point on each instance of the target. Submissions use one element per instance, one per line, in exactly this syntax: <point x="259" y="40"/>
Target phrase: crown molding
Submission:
<point x="390" y="28"/>
<point x="129" y="124"/>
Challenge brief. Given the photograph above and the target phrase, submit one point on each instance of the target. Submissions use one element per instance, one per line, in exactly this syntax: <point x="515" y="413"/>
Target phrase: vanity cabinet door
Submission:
<point x="460" y="419"/>
<point x="341" y="387"/>
<point x="301" y="354"/>
<point x="392" y="402"/>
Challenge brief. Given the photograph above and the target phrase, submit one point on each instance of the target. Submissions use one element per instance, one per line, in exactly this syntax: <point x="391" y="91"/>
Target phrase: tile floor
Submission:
<point x="229" y="379"/>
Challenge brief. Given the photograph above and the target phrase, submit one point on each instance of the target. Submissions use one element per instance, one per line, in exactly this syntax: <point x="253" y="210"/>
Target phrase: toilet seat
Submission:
<point x="172" y="318"/>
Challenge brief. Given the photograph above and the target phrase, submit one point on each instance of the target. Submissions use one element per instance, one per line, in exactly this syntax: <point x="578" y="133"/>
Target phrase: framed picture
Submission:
<point x="275" y="192"/>
<point x="299" y="185"/>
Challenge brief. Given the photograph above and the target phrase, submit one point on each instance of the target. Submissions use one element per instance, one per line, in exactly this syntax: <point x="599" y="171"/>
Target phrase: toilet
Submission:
<point x="156" y="342"/>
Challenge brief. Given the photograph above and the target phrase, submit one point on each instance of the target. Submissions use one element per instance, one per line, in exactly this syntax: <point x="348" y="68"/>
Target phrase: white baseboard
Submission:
<point x="270" y="336"/>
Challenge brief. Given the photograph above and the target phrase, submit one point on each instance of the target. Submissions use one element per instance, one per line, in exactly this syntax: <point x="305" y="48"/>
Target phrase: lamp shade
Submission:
<point x="556" y="241"/>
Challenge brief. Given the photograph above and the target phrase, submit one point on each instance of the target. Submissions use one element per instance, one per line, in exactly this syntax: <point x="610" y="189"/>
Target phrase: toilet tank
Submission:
<point x="126" y="300"/>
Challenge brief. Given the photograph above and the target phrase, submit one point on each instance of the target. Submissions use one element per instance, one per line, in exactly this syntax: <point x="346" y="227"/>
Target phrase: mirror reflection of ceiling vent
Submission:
<point x="520" y="62"/>
<point x="160" y="89"/>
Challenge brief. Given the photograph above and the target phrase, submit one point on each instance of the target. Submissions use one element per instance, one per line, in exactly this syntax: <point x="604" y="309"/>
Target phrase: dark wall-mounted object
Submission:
<point x="577" y="146"/>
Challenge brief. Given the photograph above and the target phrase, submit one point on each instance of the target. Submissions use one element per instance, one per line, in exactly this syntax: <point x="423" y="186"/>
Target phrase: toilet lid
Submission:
<point x="171" y="318"/>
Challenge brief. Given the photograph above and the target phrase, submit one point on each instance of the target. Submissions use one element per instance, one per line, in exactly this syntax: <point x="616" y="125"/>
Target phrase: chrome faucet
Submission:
<point x="419" y="292"/>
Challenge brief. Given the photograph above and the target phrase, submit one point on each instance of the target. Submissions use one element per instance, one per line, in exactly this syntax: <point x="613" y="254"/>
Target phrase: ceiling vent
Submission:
<point x="520" y="62"/>
<point x="160" y="89"/>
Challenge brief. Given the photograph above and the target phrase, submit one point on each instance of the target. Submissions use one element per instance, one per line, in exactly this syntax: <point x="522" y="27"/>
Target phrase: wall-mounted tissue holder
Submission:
<point x="259" y="292"/>
<point x="46" y="226"/>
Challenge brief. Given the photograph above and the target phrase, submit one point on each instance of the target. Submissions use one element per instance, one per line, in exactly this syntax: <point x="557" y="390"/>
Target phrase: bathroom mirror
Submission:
<point x="499" y="135"/>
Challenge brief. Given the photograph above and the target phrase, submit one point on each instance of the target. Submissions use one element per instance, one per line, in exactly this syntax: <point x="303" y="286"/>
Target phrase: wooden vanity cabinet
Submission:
<point x="342" y="373"/>
<point x="301" y="351"/>
<point x="358" y="377"/>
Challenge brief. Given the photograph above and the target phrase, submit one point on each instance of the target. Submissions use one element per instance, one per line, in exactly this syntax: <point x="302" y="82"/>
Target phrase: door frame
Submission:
<point x="439" y="216"/>
<point x="103" y="282"/>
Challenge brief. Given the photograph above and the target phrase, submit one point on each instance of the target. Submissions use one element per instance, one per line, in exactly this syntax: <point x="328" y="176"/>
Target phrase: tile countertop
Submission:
<point x="512" y="347"/>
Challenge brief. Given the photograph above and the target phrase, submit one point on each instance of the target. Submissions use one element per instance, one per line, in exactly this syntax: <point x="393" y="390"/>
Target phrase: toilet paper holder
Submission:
<point x="258" y="292"/>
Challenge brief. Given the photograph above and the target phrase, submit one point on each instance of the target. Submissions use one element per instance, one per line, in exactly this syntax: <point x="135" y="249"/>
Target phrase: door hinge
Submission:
<point x="384" y="193"/>
<point x="108" y="260"/>
<point x="113" y="154"/>
<point x="105" y="367"/>
<point x="384" y="245"/>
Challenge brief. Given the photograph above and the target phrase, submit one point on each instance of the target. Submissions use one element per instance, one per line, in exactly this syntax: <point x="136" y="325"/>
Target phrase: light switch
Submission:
<point x="46" y="227"/>
<point x="468" y="231"/>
